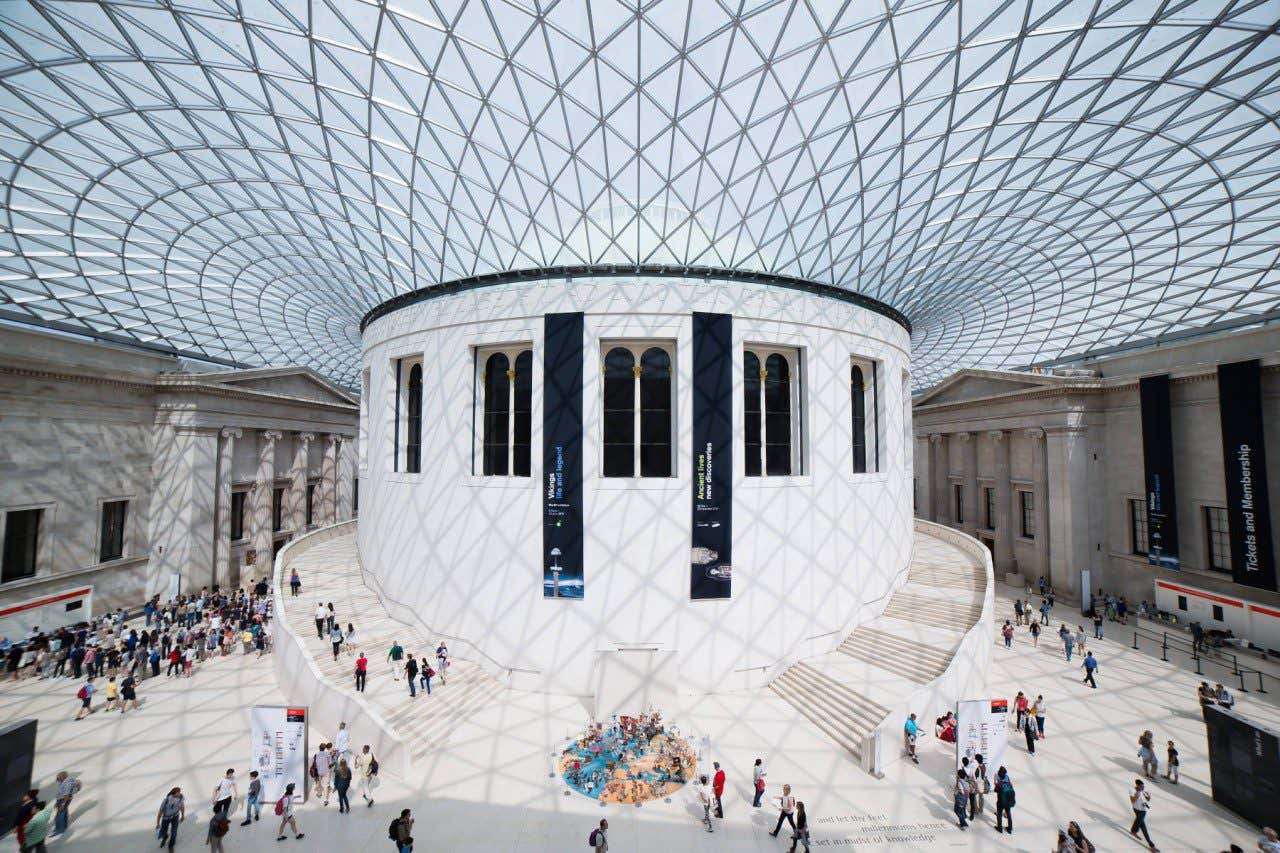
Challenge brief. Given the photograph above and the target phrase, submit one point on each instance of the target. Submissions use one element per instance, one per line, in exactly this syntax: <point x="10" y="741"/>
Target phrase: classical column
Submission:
<point x="263" y="488"/>
<point x="1068" y="485"/>
<point x="969" y="457"/>
<point x="1040" y="490"/>
<point x="222" y="544"/>
<point x="346" y="477"/>
<point x="182" y="529"/>
<point x="924" y="477"/>
<point x="298" y="482"/>
<point x="328" y="478"/>
<point x="1004" y="503"/>
<point x="941" y="463"/>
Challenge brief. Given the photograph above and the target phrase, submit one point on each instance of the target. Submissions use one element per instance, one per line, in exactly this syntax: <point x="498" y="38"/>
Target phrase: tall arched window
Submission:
<point x="777" y="415"/>
<point x="655" y="413"/>
<point x="858" y="398"/>
<point x="522" y="426"/>
<point x="751" y="412"/>
<point x="619" y="413"/>
<point x="771" y="412"/>
<point x="497" y="414"/>
<point x="413" y="422"/>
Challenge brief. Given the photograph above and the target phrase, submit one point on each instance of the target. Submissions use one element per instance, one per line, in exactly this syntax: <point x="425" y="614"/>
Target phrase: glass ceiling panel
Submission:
<point x="1023" y="180"/>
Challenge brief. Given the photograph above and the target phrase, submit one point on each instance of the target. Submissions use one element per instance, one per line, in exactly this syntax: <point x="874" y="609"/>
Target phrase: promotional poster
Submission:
<point x="711" y="558"/>
<point x="562" y="575"/>
<point x="1157" y="462"/>
<point x="1244" y="457"/>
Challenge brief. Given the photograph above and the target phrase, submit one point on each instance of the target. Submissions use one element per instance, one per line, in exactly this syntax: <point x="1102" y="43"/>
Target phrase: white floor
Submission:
<point x="488" y="786"/>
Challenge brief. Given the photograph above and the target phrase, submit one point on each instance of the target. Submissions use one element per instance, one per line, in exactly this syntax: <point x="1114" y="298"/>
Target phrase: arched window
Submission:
<point x="777" y="416"/>
<point x="619" y="413"/>
<point x="413" y="422"/>
<point x="751" y="412"/>
<point x="655" y="413"/>
<point x="522" y="427"/>
<point x="858" y="398"/>
<point x="497" y="414"/>
<point x="771" y="412"/>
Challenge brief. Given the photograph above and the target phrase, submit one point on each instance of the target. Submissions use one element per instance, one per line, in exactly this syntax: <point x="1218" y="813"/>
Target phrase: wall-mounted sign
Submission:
<point x="562" y="570"/>
<point x="278" y="750"/>
<point x="1244" y="457"/>
<point x="711" y="558"/>
<point x="1157" y="461"/>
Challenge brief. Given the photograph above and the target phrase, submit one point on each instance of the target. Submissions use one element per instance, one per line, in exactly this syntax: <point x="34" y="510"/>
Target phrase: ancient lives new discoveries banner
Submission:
<point x="562" y="456"/>
<point x="1157" y="460"/>
<point x="711" y="560"/>
<point x="1244" y="460"/>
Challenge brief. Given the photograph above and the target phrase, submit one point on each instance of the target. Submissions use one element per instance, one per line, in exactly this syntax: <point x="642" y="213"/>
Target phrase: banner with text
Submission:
<point x="278" y="750"/>
<point x="1244" y="459"/>
<point x="562" y="575"/>
<point x="711" y="559"/>
<point x="1157" y="461"/>
<point x="982" y="728"/>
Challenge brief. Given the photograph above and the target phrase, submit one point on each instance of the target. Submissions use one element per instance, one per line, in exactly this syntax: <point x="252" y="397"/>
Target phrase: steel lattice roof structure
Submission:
<point x="244" y="180"/>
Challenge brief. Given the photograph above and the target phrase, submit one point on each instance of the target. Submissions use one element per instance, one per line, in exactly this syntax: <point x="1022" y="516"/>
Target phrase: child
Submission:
<point x="1171" y="767"/>
<point x="111" y="693"/>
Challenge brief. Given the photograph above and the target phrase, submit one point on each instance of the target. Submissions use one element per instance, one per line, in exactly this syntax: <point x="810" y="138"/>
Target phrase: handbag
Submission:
<point x="760" y="784"/>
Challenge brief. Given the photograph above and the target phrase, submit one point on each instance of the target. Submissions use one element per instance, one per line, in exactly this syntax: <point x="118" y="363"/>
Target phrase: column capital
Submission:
<point x="936" y="438"/>
<point x="231" y="432"/>
<point x="332" y="438"/>
<point x="1035" y="433"/>
<point x="997" y="434"/>
<point x="964" y="436"/>
<point x="306" y="436"/>
<point x="272" y="435"/>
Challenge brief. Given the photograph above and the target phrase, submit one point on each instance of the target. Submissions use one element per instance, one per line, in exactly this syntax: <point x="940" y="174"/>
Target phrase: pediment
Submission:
<point x="974" y="385"/>
<point x="299" y="383"/>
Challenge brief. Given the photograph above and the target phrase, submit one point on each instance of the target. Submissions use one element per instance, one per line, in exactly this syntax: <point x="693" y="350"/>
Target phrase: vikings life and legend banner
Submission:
<point x="562" y="456"/>
<point x="711" y="560"/>
<point x="1157" y="461"/>
<point x="1244" y="459"/>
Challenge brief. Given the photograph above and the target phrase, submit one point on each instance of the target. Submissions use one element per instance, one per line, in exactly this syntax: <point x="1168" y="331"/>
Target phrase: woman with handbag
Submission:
<point x="757" y="779"/>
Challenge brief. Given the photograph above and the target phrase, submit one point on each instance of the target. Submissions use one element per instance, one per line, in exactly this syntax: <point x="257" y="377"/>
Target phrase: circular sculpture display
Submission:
<point x="634" y="760"/>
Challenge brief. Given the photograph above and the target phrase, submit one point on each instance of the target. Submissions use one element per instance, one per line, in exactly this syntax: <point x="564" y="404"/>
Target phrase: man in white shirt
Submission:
<point x="364" y="774"/>
<point x="342" y="742"/>
<point x="786" y="809"/>
<point x="704" y="797"/>
<point x="1141" y="802"/>
<point x="321" y="613"/>
<point x="224" y="792"/>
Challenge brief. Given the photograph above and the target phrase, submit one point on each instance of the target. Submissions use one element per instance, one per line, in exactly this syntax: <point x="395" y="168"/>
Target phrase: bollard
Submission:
<point x="1261" y="689"/>
<point x="1198" y="672"/>
<point x="1242" y="687"/>
<point x="1135" y="639"/>
<point x="1235" y="665"/>
<point x="1164" y="648"/>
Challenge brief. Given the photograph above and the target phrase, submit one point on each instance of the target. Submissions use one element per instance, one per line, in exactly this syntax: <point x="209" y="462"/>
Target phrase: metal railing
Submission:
<point x="1201" y="655"/>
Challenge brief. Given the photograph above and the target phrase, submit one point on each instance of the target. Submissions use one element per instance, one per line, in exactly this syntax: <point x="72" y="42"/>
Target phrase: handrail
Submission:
<point x="1193" y="649"/>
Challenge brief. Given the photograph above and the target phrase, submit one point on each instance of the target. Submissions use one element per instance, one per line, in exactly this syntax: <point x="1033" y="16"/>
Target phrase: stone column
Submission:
<point x="1068" y="486"/>
<point x="1040" y="488"/>
<point x="182" y="529"/>
<point x="1004" y="503"/>
<point x="924" y="477"/>
<point x="328" y="478"/>
<point x="969" y="455"/>
<point x="298" y="482"/>
<point x="222" y="544"/>
<point x="263" y="487"/>
<point x="346" y="478"/>
<point x="940" y="465"/>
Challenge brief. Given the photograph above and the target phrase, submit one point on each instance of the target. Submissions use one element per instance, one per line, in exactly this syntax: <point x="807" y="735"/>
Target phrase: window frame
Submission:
<point x="871" y="406"/>
<point x="123" y="528"/>
<point x="1217" y="541"/>
<point x="309" y="502"/>
<point x="989" y="507"/>
<point x="413" y="415"/>
<point x="240" y="495"/>
<point x="278" y="498"/>
<point x="795" y="358"/>
<point x="957" y="502"/>
<point x="1136" y="506"/>
<point x="480" y="355"/>
<point x="1027" y="513"/>
<point x="638" y="348"/>
<point x="42" y="512"/>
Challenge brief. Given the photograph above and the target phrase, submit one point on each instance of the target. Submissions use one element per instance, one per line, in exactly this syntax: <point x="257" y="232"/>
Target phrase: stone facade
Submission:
<point x="1072" y="440"/>
<point x="85" y="423"/>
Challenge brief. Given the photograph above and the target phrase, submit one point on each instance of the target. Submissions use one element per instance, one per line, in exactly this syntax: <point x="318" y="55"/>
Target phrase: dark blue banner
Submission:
<point x="711" y="558"/>
<point x="1244" y="458"/>
<point x="562" y="456"/>
<point x="1157" y="460"/>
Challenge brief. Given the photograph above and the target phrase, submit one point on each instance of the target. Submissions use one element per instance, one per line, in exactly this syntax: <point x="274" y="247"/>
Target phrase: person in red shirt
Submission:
<point x="717" y="786"/>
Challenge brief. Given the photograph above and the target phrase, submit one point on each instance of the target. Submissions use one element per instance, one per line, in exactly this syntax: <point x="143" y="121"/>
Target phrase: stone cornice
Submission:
<point x="108" y="380"/>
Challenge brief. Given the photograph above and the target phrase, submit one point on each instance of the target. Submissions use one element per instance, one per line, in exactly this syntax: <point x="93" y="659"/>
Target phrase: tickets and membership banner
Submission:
<point x="1157" y="461"/>
<point x="711" y="559"/>
<point x="982" y="728"/>
<point x="562" y="575"/>
<point x="1244" y="458"/>
<point x="278" y="751"/>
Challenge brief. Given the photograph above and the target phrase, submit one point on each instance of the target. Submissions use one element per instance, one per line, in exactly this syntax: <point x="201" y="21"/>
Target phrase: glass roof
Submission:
<point x="1022" y="179"/>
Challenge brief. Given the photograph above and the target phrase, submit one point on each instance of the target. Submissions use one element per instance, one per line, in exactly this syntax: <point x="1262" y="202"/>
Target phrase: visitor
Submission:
<point x="218" y="827"/>
<point x="1017" y="612"/>
<point x="173" y="811"/>
<point x="342" y="742"/>
<point x="1038" y="708"/>
<point x="411" y="672"/>
<point x="1171" y="764"/>
<point x="1007" y="632"/>
<point x="1042" y="583"/>
<point x="960" y="797"/>
<point x="395" y="655"/>
<point x="1068" y="641"/>
<point x="442" y="660"/>
<point x="1147" y="752"/>
<point x="284" y="808"/>
<point x="1197" y="637"/>
<point x="320" y="771"/>
<point x="349" y="639"/>
<point x="335" y="638"/>
<point x="224" y="792"/>
<point x="1205" y="695"/>
<point x="112" y="693"/>
<point x="1097" y="625"/>
<point x="801" y="834"/>
<point x="1080" y="638"/>
<point x="1035" y="635"/>
<point x="1122" y="610"/>
<point x="944" y="728"/>
<point x="425" y="676"/>
<point x="27" y="810"/>
<point x="36" y="827"/>
<point x="366" y="768"/>
<point x="981" y="786"/>
<point x="1030" y="732"/>
<point x="1141" y="802"/>
<point x="910" y="733"/>
<point x="85" y="695"/>
<point x="1270" y="841"/>
<point x="362" y="672"/>
<point x="67" y="789"/>
<point x="757" y="780"/>
<point x="253" y="803"/>
<point x="786" y="810"/>
<point x="1044" y="612"/>
<point x="295" y="583"/>
<point x="341" y="782"/>
<point x="704" y="797"/>
<point x="1223" y="697"/>
<point x="1090" y="667"/>
<point x="1082" y="844"/>
<point x="322" y="615"/>
<point x="717" y="788"/>
<point x="599" y="837"/>
<point x="402" y="831"/>
<point x="1005" y="801"/>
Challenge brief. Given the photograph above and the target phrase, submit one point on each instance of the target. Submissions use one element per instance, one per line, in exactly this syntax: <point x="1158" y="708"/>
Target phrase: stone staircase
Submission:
<point x="886" y="649"/>
<point x="844" y="715"/>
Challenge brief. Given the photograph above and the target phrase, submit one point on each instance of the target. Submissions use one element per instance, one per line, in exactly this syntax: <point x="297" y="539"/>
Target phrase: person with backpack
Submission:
<point x="401" y="832"/>
<point x="85" y="695"/>
<point x="219" y="826"/>
<point x="128" y="693"/>
<point x="295" y="583"/>
<point x="320" y="771"/>
<point x="599" y="840"/>
<point x="427" y="673"/>
<point x="253" y="804"/>
<point x="366" y="769"/>
<point x="284" y="810"/>
<point x="173" y="811"/>
<point x="442" y="659"/>
<point x="411" y="672"/>
<point x="1004" y="801"/>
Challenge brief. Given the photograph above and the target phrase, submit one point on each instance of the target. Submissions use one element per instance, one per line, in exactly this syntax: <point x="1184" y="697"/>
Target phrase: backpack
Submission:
<point x="280" y="806"/>
<point x="591" y="841"/>
<point x="392" y="830"/>
<point x="84" y="693"/>
<point x="220" y="826"/>
<point x="373" y="767"/>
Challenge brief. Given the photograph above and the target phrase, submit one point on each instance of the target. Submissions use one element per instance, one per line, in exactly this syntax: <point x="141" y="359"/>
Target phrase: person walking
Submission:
<point x="411" y="671"/>
<point x="85" y="695"/>
<point x="342" y="742"/>
<point x="599" y="839"/>
<point x="425" y="676"/>
<point x="224" y="792"/>
<point x="1171" y="764"/>
<point x="1030" y="732"/>
<point x="911" y="733"/>
<point x="349" y="639"/>
<point x="960" y="797"/>
<point x="1020" y="708"/>
<point x="705" y="798"/>
<point x="341" y="782"/>
<point x="284" y="808"/>
<point x="1090" y="667"/>
<point x="1038" y="709"/>
<point x="1005" y="800"/>
<point x="1035" y="635"/>
<point x="442" y="659"/>
<point x="402" y="831"/>
<point x="396" y="655"/>
<point x="786" y="810"/>
<point x="1017" y="612"/>
<point x="295" y="583"/>
<point x="1068" y="640"/>
<point x="1097" y="625"/>
<point x="757" y="781"/>
<point x="335" y="638"/>
<point x="173" y="811"/>
<point x="67" y="789"/>
<point x="1147" y="752"/>
<point x="361" y="672"/>
<point x="1076" y="835"/>
<point x="321" y="770"/>
<point x="322" y="615"/>
<point x="717" y="788"/>
<point x="1007" y="633"/>
<point x="366" y="767"/>
<point x="1141" y="802"/>
<point x="1044" y="612"/>
<point x="36" y="829"/>
<point x="253" y="803"/>
<point x="218" y="828"/>
<point x="801" y="834"/>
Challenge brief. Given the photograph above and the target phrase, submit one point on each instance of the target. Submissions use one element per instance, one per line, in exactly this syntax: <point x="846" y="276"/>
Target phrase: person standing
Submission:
<point x="27" y="810"/>
<point x="960" y="797"/>
<point x="717" y="788"/>
<point x="442" y="658"/>
<point x="1030" y="732"/>
<point x="321" y="616"/>
<point x="173" y="811"/>
<point x="362" y="672"/>
<point x="1097" y="625"/>
<point x="411" y="672"/>
<point x="757" y="781"/>
<point x="295" y="583"/>
<point x="342" y="742"/>
<point x="402" y="830"/>
<point x="253" y="804"/>
<point x="36" y="829"/>
<point x="910" y="733"/>
<point x="786" y="810"/>
<point x="395" y="655"/>
<point x="1017" y="612"/>
<point x="1147" y="752"/>
<point x="1035" y="635"/>
<point x="704" y="797"/>
<point x="1020" y="707"/>
<point x="1068" y="640"/>
<point x="599" y="837"/>
<point x="321" y="769"/>
<point x="365" y="764"/>
<point x="1171" y="764"/>
<point x="67" y="789"/>
<point x="284" y="808"/>
<point x="341" y="782"/>
<point x="801" y="834"/>
<point x="1090" y="666"/>
<point x="1007" y="633"/>
<point x="1141" y="802"/>
<point x="1038" y="709"/>
<point x="224" y="792"/>
<point x="1004" y="801"/>
<point x="335" y="637"/>
<point x="981" y="786"/>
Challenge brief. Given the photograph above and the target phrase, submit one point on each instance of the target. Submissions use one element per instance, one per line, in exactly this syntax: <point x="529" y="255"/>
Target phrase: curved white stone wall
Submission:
<point x="813" y="555"/>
